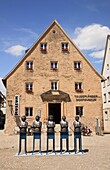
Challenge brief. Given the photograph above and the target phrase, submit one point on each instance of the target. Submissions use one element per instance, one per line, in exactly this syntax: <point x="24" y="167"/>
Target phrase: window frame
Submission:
<point x="108" y="81"/>
<point x="105" y="98"/>
<point x="43" y="47"/>
<point x="65" y="46"/>
<point x="54" y="84"/>
<point x="107" y="66"/>
<point x="77" y="65"/>
<point x="54" y="65"/>
<point x="28" y="111"/>
<point x="82" y="111"/>
<point x="78" y="87"/>
<point x="104" y="84"/>
<point x="106" y="115"/>
<point x="29" y="65"/>
<point x="108" y="96"/>
<point x="29" y="87"/>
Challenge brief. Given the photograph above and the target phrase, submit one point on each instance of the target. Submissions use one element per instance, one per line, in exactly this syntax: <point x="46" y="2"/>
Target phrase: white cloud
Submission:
<point x="97" y="54"/>
<point x="27" y="30"/>
<point x="16" y="50"/>
<point x="2" y="88"/>
<point x="91" y="37"/>
<point x="98" y="61"/>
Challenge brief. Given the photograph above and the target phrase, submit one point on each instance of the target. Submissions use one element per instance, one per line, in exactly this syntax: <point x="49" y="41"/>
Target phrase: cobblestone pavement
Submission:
<point x="98" y="157"/>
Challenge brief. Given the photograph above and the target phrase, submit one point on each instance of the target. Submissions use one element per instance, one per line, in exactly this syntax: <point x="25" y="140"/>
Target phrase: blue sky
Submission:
<point x="87" y="23"/>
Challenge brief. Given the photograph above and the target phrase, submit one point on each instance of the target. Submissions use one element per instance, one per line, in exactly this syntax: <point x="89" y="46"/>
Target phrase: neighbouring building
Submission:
<point x="106" y="86"/>
<point x="53" y="77"/>
<point x="2" y="110"/>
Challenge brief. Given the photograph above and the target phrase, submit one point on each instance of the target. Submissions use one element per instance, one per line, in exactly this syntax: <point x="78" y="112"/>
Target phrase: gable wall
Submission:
<point x="66" y="75"/>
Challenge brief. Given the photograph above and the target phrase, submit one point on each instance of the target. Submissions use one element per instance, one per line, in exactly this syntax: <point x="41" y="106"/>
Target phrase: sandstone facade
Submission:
<point x="62" y="89"/>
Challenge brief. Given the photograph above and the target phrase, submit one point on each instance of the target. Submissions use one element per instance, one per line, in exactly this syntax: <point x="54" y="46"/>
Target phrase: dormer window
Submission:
<point x="77" y="65"/>
<point x="65" y="47"/>
<point x="29" y="87"/>
<point x="54" y="65"/>
<point x="43" y="47"/>
<point x="29" y="65"/>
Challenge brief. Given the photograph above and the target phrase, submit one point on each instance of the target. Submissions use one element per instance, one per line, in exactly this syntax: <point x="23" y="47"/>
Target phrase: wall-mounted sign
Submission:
<point x="39" y="113"/>
<point x="91" y="98"/>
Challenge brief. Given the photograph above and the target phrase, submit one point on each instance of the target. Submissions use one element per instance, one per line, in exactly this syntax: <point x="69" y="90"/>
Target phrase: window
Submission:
<point x="108" y="80"/>
<point x="106" y="116"/>
<point x="43" y="47"/>
<point x="54" y="85"/>
<point x="29" y="111"/>
<point x="78" y="87"/>
<point x="105" y="98"/>
<point x="54" y="65"/>
<point x="29" y="87"/>
<point x="17" y="101"/>
<point x="104" y="84"/>
<point x="79" y="110"/>
<point x="77" y="65"/>
<point x="108" y="96"/>
<point x="29" y="65"/>
<point x="65" y="47"/>
<point x="107" y="66"/>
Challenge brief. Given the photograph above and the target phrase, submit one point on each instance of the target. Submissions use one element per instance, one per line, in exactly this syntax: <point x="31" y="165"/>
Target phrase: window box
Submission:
<point x="78" y="69"/>
<point x="65" y="49"/>
<point x="79" y="90"/>
<point x="29" y="68"/>
<point x="54" y="69"/>
<point x="43" y="50"/>
<point x="29" y="91"/>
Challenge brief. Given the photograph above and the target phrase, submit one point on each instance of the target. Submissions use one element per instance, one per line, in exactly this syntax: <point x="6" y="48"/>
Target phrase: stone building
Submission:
<point x="53" y="77"/>
<point x="106" y="86"/>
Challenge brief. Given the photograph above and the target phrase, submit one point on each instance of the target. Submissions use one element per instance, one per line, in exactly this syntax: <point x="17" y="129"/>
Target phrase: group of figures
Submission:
<point x="64" y="133"/>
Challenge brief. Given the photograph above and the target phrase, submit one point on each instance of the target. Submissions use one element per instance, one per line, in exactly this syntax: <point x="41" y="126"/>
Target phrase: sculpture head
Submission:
<point x="77" y="118"/>
<point x="23" y="118"/>
<point x="37" y="118"/>
<point x="50" y="118"/>
<point x="64" y="118"/>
